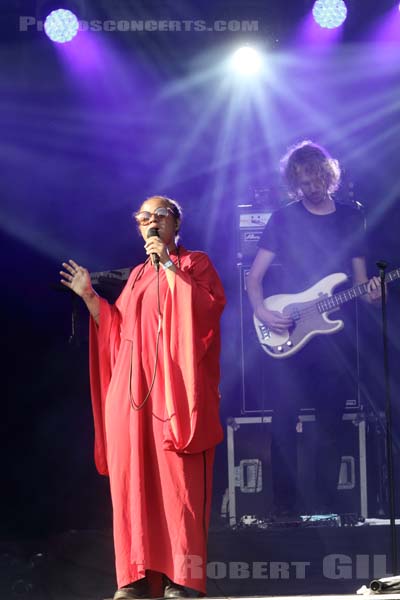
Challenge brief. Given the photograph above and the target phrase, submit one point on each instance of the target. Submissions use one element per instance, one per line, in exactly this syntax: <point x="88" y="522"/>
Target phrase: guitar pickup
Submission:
<point x="265" y="332"/>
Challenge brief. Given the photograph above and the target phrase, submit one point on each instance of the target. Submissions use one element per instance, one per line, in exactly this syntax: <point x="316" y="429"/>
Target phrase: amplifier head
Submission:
<point x="251" y="221"/>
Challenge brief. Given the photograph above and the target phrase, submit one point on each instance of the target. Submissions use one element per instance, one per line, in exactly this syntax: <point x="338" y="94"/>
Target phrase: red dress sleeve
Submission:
<point x="104" y="341"/>
<point x="191" y="333"/>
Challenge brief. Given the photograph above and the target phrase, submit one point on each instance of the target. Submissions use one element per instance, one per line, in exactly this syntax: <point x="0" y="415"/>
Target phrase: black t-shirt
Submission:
<point x="308" y="247"/>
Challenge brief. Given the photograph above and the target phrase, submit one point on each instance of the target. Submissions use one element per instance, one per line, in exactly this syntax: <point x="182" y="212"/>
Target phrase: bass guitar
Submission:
<point x="309" y="310"/>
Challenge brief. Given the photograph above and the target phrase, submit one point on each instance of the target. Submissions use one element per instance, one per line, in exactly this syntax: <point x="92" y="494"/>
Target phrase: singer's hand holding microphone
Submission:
<point x="155" y="247"/>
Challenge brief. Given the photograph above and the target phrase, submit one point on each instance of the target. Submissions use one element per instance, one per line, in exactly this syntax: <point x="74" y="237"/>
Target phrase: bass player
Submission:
<point x="312" y="237"/>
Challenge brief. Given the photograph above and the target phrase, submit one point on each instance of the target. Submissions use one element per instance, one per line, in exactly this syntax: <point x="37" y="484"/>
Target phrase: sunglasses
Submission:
<point x="144" y="217"/>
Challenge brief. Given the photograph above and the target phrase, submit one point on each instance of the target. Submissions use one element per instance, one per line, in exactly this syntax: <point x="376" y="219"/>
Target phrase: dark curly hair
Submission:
<point x="315" y="160"/>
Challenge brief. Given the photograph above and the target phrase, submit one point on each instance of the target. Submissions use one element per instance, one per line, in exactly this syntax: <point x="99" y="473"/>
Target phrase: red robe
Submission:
<point x="160" y="457"/>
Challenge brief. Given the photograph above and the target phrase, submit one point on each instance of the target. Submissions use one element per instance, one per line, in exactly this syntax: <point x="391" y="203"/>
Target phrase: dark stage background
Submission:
<point x="87" y="135"/>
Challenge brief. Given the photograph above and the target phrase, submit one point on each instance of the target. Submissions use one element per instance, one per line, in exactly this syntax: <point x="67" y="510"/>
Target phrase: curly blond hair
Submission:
<point x="315" y="160"/>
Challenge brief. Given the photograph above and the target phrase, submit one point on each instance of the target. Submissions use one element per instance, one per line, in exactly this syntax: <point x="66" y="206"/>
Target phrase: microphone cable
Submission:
<point x="134" y="405"/>
<point x="131" y="398"/>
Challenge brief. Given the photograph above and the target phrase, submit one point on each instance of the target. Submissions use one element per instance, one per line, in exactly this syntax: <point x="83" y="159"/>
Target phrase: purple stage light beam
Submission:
<point x="329" y="13"/>
<point x="61" y="26"/>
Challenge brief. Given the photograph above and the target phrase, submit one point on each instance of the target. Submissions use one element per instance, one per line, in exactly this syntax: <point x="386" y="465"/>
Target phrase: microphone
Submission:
<point x="154" y="257"/>
<point x="381" y="264"/>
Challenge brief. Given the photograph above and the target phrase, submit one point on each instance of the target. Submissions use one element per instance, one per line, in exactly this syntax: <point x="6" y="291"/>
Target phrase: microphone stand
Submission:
<point x="73" y="338"/>
<point x="388" y="410"/>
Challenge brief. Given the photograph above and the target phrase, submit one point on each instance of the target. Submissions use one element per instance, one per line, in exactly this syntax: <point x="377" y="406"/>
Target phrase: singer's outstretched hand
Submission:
<point x="76" y="278"/>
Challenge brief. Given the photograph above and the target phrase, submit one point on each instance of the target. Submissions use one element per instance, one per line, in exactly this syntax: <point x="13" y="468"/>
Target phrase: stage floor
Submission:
<point x="305" y="597"/>
<point x="312" y="563"/>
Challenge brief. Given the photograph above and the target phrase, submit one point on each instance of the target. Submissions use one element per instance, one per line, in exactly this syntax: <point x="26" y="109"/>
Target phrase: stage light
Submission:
<point x="329" y="13"/>
<point x="61" y="25"/>
<point x="246" y="60"/>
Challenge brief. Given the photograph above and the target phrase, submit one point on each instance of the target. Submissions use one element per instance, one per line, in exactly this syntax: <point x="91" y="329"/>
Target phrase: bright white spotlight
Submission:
<point x="329" y="13"/>
<point x="61" y="25"/>
<point x="246" y="60"/>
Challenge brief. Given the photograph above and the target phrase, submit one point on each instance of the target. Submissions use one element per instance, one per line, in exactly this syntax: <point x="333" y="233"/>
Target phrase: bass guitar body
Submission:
<point x="306" y="309"/>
